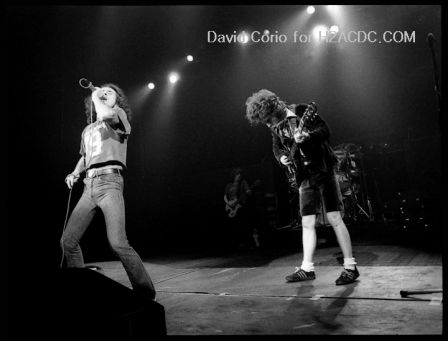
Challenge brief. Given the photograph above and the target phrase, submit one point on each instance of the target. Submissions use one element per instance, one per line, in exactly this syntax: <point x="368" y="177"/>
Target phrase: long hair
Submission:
<point x="122" y="102"/>
<point x="262" y="106"/>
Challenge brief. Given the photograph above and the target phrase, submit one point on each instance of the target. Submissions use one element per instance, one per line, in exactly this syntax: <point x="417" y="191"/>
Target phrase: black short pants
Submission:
<point x="317" y="186"/>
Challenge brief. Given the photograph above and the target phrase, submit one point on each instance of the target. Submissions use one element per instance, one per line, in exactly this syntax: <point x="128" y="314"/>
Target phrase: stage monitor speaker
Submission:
<point x="84" y="302"/>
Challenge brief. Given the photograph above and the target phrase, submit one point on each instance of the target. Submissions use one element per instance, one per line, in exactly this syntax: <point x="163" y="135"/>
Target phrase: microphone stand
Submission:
<point x="430" y="40"/>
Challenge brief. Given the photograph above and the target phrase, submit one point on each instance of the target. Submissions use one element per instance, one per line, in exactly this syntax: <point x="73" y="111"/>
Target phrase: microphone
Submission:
<point x="86" y="84"/>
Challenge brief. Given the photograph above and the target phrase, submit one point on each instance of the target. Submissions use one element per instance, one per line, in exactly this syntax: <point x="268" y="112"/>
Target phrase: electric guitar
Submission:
<point x="232" y="207"/>
<point x="291" y="177"/>
<point x="292" y="170"/>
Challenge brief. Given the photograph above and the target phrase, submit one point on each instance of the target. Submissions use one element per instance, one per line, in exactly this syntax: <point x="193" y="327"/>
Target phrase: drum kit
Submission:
<point x="350" y="177"/>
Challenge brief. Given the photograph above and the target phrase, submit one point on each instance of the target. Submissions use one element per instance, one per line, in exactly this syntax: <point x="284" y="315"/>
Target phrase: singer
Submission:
<point x="103" y="159"/>
<point x="300" y="139"/>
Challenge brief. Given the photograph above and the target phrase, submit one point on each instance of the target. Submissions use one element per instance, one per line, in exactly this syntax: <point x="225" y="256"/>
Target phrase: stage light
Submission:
<point x="333" y="7"/>
<point x="266" y="32"/>
<point x="311" y="9"/>
<point x="151" y="86"/>
<point x="243" y="38"/>
<point x="334" y="28"/>
<point x="320" y="31"/>
<point x="174" y="77"/>
<point x="190" y="58"/>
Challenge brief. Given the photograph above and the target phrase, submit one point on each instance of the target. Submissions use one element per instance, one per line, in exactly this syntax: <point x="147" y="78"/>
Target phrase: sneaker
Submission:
<point x="300" y="275"/>
<point x="347" y="276"/>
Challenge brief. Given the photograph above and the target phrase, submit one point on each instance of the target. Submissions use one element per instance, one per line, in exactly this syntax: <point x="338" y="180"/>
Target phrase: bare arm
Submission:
<point x="80" y="167"/>
<point x="114" y="116"/>
<point x="124" y="120"/>
<point x="104" y="113"/>
<point x="73" y="177"/>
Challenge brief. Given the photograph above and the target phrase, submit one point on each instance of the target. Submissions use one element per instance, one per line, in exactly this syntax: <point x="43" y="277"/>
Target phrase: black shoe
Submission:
<point x="300" y="275"/>
<point x="146" y="296"/>
<point x="347" y="276"/>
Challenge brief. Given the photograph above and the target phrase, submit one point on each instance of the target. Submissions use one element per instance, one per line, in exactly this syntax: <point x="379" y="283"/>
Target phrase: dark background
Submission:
<point x="186" y="140"/>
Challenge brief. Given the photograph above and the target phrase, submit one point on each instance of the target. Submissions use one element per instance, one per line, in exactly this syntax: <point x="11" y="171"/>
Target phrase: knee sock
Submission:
<point x="349" y="263"/>
<point x="307" y="266"/>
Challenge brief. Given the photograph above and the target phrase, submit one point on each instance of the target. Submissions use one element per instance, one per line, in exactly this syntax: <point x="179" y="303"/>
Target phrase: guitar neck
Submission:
<point x="302" y="120"/>
<point x="296" y="146"/>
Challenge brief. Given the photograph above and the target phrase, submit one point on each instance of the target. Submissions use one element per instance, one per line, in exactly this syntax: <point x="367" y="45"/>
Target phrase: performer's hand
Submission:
<point x="285" y="160"/>
<point x="96" y="92"/>
<point x="301" y="137"/>
<point x="71" y="179"/>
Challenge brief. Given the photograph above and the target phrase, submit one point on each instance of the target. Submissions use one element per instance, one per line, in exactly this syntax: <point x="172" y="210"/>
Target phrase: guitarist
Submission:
<point x="300" y="141"/>
<point x="236" y="195"/>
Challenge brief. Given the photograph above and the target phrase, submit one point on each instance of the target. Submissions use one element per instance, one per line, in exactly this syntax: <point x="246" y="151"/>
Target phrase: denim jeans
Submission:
<point x="105" y="192"/>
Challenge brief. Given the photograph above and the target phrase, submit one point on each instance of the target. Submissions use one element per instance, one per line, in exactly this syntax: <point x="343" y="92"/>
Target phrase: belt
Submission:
<point x="91" y="173"/>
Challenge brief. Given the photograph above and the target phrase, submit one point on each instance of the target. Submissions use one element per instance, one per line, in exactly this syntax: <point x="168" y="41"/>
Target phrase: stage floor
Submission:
<point x="245" y="292"/>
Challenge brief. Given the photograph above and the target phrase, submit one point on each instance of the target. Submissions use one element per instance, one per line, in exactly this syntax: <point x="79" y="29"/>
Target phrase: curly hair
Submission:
<point x="122" y="102"/>
<point x="262" y="106"/>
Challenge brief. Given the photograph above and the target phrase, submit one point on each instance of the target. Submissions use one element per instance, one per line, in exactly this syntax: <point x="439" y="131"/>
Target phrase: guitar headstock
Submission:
<point x="312" y="106"/>
<point x="310" y="112"/>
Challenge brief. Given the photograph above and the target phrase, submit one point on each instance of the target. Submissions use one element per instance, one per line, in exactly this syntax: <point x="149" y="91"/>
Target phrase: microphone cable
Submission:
<point x="65" y="225"/>
<point x="70" y="193"/>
